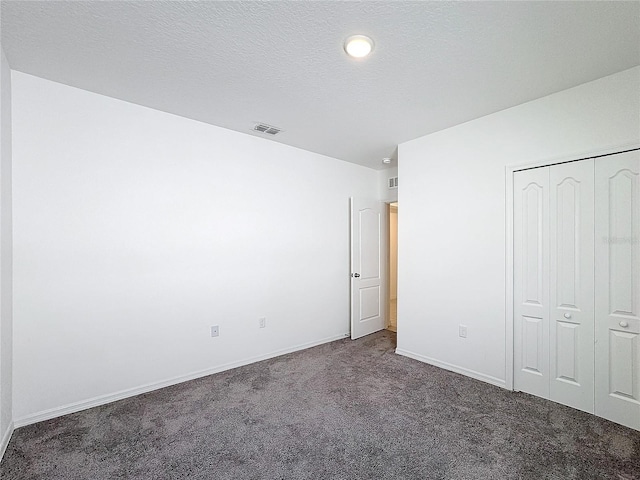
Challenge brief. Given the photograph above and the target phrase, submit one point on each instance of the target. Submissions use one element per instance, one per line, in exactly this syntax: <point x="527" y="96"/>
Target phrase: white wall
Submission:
<point x="6" y="289"/>
<point x="136" y="230"/>
<point x="452" y="234"/>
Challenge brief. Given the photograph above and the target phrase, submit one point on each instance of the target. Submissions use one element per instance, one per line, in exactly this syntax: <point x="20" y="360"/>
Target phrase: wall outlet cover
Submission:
<point x="462" y="331"/>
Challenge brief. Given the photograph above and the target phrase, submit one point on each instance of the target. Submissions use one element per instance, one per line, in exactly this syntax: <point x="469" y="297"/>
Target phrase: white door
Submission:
<point x="553" y="289"/>
<point x="368" y="266"/>
<point x="617" y="277"/>
<point x="571" y="283"/>
<point x="531" y="281"/>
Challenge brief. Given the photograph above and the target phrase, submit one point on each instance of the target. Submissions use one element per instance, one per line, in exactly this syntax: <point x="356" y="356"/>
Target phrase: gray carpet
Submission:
<point x="344" y="410"/>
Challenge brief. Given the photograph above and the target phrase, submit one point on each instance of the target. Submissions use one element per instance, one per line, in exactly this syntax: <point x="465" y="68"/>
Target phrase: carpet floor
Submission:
<point x="343" y="410"/>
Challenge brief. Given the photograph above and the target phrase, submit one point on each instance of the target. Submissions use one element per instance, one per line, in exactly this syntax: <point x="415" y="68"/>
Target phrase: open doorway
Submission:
<point x="392" y="323"/>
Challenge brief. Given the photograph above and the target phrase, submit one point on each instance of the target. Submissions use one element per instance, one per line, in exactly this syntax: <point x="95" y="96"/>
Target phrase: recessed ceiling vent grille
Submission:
<point x="268" y="129"/>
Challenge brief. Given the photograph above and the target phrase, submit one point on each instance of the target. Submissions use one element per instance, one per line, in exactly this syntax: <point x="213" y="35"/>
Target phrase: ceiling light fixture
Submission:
<point x="358" y="46"/>
<point x="386" y="160"/>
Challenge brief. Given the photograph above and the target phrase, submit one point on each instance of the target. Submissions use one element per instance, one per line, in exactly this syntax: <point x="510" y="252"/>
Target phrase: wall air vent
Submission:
<point x="268" y="129"/>
<point x="393" y="182"/>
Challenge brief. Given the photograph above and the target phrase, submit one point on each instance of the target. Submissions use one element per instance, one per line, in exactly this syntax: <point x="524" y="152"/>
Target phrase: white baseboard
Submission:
<point x="454" y="368"/>
<point x="131" y="392"/>
<point x="4" y="442"/>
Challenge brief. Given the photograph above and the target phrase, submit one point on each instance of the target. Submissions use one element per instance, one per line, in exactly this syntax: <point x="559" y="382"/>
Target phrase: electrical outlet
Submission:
<point x="462" y="331"/>
<point x="262" y="322"/>
<point x="215" y="331"/>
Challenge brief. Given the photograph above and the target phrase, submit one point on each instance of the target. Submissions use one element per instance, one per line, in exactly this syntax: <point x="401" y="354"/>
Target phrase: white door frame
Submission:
<point x="388" y="206"/>
<point x="509" y="235"/>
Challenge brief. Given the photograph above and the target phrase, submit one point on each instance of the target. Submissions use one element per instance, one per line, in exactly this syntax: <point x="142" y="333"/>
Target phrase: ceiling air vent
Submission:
<point x="268" y="129"/>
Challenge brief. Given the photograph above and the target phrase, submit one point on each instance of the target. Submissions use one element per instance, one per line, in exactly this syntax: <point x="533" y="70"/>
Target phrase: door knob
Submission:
<point x="355" y="275"/>
<point x="624" y="324"/>
<point x="567" y="315"/>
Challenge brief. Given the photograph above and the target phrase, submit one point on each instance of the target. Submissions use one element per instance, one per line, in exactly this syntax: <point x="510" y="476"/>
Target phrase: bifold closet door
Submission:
<point x="553" y="289"/>
<point x="617" y="282"/>
<point x="571" y="337"/>
<point x="531" y="286"/>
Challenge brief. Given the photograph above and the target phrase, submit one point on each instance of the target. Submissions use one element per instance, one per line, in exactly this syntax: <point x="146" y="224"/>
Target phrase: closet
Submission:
<point x="577" y="285"/>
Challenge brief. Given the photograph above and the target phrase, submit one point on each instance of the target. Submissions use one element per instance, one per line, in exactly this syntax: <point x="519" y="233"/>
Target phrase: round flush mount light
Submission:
<point x="358" y="46"/>
<point x="386" y="160"/>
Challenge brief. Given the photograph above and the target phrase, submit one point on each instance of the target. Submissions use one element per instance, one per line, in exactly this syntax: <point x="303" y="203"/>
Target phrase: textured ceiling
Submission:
<point x="232" y="64"/>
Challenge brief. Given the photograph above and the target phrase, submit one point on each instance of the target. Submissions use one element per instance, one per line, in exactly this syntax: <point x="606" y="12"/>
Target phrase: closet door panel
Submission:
<point x="531" y="288"/>
<point x="571" y="284"/>
<point x="617" y="276"/>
